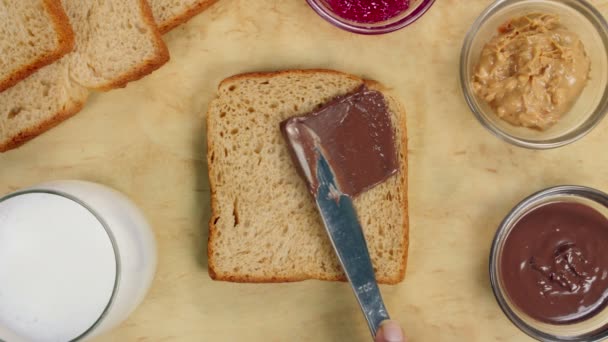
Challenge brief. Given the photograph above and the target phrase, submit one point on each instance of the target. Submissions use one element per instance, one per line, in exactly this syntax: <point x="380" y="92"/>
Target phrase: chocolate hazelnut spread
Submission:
<point x="554" y="264"/>
<point x="532" y="72"/>
<point x="355" y="134"/>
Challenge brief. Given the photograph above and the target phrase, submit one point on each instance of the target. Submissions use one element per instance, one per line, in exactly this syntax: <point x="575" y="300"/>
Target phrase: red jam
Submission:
<point x="368" y="11"/>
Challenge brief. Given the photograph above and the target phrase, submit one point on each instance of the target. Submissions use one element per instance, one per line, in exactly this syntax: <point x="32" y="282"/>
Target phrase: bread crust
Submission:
<point x="32" y="132"/>
<point x="174" y="22"/>
<point x="403" y="172"/>
<point x="65" y="38"/>
<point x="214" y="210"/>
<point x="249" y="75"/>
<point x="147" y="66"/>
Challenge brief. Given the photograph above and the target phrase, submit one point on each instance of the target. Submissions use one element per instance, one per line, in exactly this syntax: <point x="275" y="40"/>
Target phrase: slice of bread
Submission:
<point x="172" y="13"/>
<point x="117" y="41"/>
<point x="34" y="33"/>
<point x="264" y="225"/>
<point x="38" y="103"/>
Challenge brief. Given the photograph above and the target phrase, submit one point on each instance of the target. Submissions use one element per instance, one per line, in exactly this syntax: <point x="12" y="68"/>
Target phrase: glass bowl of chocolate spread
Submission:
<point x="371" y="16"/>
<point x="535" y="72"/>
<point x="549" y="265"/>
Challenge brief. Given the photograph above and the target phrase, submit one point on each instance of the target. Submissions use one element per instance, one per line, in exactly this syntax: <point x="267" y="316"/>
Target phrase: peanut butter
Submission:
<point x="532" y="72"/>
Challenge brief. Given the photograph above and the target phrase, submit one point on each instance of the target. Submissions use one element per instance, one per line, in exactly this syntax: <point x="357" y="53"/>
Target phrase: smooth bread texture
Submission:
<point x="117" y="42"/>
<point x="38" y="103"/>
<point x="34" y="33"/>
<point x="264" y="225"/>
<point x="172" y="13"/>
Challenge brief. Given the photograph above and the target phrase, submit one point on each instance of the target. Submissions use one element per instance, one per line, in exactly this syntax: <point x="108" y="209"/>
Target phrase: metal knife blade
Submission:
<point x="344" y="230"/>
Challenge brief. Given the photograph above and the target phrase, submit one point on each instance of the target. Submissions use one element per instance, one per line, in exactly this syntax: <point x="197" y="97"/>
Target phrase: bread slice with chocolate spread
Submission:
<point x="264" y="225"/>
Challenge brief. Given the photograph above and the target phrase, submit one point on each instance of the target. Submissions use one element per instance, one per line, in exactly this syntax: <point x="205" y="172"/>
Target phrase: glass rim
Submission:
<point x="110" y="236"/>
<point x="591" y="122"/>
<point x="502" y="231"/>
<point x="365" y="29"/>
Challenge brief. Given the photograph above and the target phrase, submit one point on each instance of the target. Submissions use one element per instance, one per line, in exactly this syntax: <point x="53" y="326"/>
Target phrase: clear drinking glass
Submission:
<point x="76" y="258"/>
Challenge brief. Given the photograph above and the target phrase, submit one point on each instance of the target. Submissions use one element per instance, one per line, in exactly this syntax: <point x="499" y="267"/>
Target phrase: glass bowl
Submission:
<point x="593" y="328"/>
<point x="416" y="10"/>
<point x="577" y="16"/>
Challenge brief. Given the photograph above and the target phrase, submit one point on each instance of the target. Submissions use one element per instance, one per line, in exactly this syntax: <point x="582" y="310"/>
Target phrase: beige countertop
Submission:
<point x="148" y="140"/>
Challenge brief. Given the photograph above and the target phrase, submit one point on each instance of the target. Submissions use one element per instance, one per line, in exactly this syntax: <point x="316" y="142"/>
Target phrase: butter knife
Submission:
<point x="342" y="225"/>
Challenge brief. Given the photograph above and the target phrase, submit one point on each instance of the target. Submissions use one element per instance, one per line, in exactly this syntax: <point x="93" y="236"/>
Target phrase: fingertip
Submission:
<point x="390" y="331"/>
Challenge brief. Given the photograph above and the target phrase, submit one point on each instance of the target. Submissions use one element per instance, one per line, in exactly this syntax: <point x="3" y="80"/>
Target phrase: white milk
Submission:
<point x="62" y="272"/>
<point x="57" y="267"/>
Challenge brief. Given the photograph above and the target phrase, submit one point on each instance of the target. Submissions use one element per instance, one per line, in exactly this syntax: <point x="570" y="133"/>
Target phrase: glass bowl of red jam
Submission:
<point x="549" y="265"/>
<point x="371" y="16"/>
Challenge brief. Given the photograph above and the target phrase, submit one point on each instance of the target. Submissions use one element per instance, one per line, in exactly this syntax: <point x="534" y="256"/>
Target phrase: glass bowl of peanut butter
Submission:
<point x="535" y="72"/>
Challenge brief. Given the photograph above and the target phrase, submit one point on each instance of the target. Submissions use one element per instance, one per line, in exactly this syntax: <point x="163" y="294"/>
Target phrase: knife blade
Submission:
<point x="340" y="219"/>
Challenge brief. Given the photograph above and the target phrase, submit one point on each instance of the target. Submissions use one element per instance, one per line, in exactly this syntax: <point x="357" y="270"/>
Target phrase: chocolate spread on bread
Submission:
<point x="355" y="134"/>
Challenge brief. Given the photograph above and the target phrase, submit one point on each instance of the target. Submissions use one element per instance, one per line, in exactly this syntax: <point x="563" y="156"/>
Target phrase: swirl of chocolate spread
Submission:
<point x="554" y="265"/>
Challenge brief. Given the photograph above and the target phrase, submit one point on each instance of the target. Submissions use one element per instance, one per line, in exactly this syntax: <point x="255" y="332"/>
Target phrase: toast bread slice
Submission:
<point x="35" y="33"/>
<point x="38" y="103"/>
<point x="56" y="92"/>
<point x="264" y="225"/>
<point x="171" y="13"/>
<point x="117" y="42"/>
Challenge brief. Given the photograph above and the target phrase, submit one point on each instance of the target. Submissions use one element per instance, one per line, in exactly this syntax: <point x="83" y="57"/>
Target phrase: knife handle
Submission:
<point x="344" y="230"/>
<point x="370" y="299"/>
<point x="348" y="240"/>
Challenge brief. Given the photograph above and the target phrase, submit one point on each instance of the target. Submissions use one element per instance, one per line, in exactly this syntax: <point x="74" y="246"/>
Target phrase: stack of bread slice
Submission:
<point x="55" y="52"/>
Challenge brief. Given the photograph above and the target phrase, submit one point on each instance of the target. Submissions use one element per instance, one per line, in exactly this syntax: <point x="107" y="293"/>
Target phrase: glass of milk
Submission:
<point x="76" y="258"/>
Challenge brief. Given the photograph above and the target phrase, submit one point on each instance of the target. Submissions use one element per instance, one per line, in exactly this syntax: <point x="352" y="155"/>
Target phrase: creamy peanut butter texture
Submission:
<point x="532" y="72"/>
